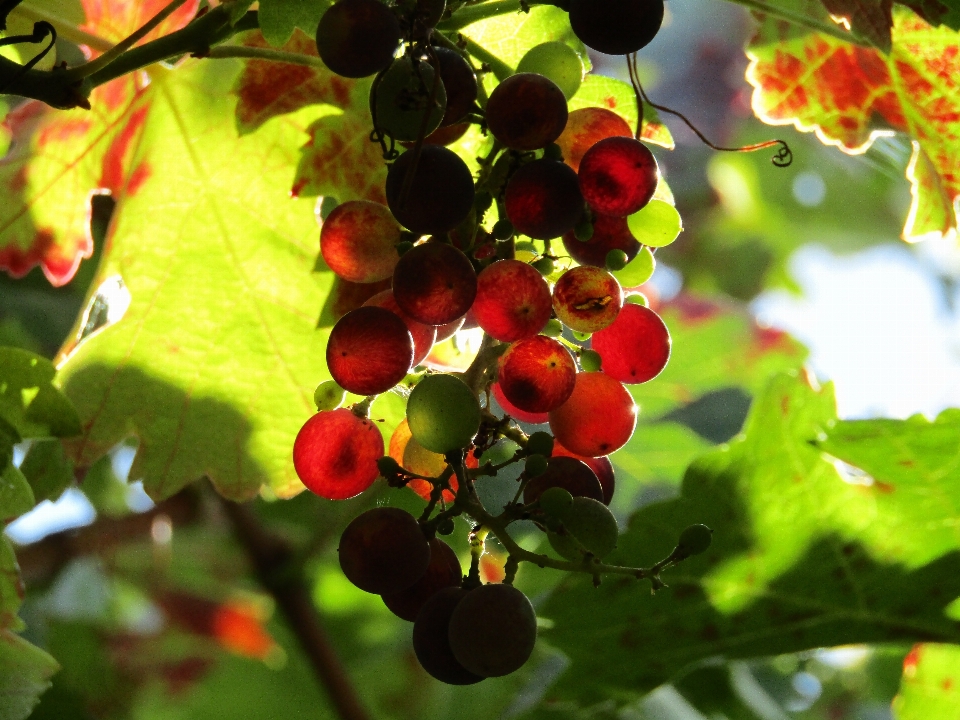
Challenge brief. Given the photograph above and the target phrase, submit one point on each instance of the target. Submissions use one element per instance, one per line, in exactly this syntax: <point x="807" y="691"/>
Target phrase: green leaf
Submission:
<point x="790" y="568"/>
<point x="618" y="96"/>
<point x="25" y="672"/>
<point x="11" y="587"/>
<point x="29" y="401"/>
<point x="47" y="469"/>
<point x="16" y="497"/>
<point x="929" y="688"/>
<point x="279" y="18"/>
<point x="509" y="37"/>
<point x="106" y="492"/>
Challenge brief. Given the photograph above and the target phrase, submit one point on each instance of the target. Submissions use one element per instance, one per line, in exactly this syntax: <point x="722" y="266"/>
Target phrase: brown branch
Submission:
<point x="274" y="564"/>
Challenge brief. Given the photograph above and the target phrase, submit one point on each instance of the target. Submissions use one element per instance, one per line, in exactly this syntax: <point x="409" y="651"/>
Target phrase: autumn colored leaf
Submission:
<point x="114" y="20"/>
<point x="870" y="19"/>
<point x="849" y="95"/>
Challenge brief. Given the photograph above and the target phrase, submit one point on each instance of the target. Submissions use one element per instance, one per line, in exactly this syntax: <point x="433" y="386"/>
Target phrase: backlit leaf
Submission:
<point x="279" y="18"/>
<point x="931" y="685"/>
<point x="29" y="401"/>
<point x="25" y="672"/>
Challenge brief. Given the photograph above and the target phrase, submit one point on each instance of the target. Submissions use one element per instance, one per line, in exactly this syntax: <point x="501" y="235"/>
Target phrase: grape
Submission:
<point x="597" y="419"/>
<point x="537" y="374"/>
<point x="443" y="571"/>
<point x="616" y="260"/>
<point x="513" y="300"/>
<point x="554" y="501"/>
<point x="460" y="83"/>
<point x="535" y="465"/>
<point x="585" y="128"/>
<point x="515" y="412"/>
<point x="357" y="38"/>
<point x="590" y="361"/>
<point x="568" y="473"/>
<point x="369" y="351"/>
<point x="328" y="395"/>
<point x="443" y="135"/>
<point x="448" y="330"/>
<point x="588" y="523"/>
<point x="424" y="13"/>
<point x="526" y="112"/>
<point x="609" y="233"/>
<point x="587" y="298"/>
<point x="440" y="193"/>
<point x="557" y="61"/>
<point x="335" y="454"/>
<point x="493" y="630"/>
<point x="431" y="640"/>
<point x="540" y="443"/>
<point x="434" y="283"/>
<point x="636" y="347"/>
<point x="543" y="199"/>
<point x="639" y="270"/>
<point x="423" y="335"/>
<point x="695" y="540"/>
<point x="358" y="241"/>
<point x="384" y="551"/>
<point x="415" y="458"/>
<point x="601" y="466"/>
<point x="402" y="96"/>
<point x="616" y="27"/>
<point x="443" y="413"/>
<point x="618" y="176"/>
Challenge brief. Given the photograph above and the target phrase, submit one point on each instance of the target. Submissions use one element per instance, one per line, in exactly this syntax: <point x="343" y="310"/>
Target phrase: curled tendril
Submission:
<point x="40" y="31"/>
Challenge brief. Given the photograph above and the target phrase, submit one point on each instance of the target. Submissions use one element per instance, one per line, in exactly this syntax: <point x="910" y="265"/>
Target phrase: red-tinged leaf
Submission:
<point x="849" y="95"/>
<point x="267" y="89"/>
<point x="116" y="19"/>
<point x="57" y="160"/>
<point x="870" y="19"/>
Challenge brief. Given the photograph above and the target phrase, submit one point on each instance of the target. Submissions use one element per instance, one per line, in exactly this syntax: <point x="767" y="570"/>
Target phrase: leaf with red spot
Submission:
<point x="114" y="20"/>
<point x="850" y="94"/>
<point x="930" y="687"/>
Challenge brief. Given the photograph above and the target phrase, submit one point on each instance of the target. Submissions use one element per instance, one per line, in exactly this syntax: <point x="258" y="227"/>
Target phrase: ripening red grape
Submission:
<point x="618" y="176"/>
<point x="384" y="551"/>
<point x="424" y="336"/>
<point x="601" y="466"/>
<point x="587" y="298"/>
<point x="543" y="199"/>
<point x="585" y="128"/>
<point x="434" y="283"/>
<point x="439" y="194"/>
<point x="616" y="27"/>
<point x="597" y="419"/>
<point x="636" y="347"/>
<point x="404" y="94"/>
<point x="526" y="111"/>
<point x="336" y="452"/>
<point x="413" y="456"/>
<point x="513" y="411"/>
<point x="460" y="83"/>
<point x="493" y="630"/>
<point x="369" y="351"/>
<point x="358" y="241"/>
<point x="431" y="638"/>
<point x="513" y="300"/>
<point x="357" y="38"/>
<point x="573" y="475"/>
<point x="443" y="571"/>
<point x="609" y="233"/>
<point x="536" y="374"/>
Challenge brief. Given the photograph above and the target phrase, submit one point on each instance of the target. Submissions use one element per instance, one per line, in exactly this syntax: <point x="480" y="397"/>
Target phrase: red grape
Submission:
<point x="424" y="336"/>
<point x="384" y="551"/>
<point x="443" y="135"/>
<point x="336" y="452"/>
<point x="597" y="419"/>
<point x="513" y="411"/>
<point x="431" y="638"/>
<point x="443" y="571"/>
<point x="585" y="128"/>
<point x="448" y="330"/>
<point x="439" y="195"/>
<point x="587" y="298"/>
<point x="543" y="199"/>
<point x="609" y="233"/>
<point x="369" y="351"/>
<point x="493" y="630"/>
<point x="636" y="347"/>
<point x="616" y="27"/>
<point x="413" y="456"/>
<point x="356" y="38"/>
<point x="358" y="241"/>
<point x="537" y="374"/>
<point x="526" y="111"/>
<point x="574" y="476"/>
<point x="434" y="283"/>
<point x="618" y="176"/>
<point x="601" y="466"/>
<point x="513" y="300"/>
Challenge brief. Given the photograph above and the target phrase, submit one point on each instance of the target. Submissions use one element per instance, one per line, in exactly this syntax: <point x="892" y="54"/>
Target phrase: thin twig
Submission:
<point x="242" y="51"/>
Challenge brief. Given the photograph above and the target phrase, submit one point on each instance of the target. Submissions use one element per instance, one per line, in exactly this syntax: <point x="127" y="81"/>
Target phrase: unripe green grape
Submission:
<point x="540" y="443"/>
<point x="543" y="265"/>
<point x="535" y="465"/>
<point x="616" y="260"/>
<point x="590" y="360"/>
<point x="581" y="336"/>
<point x="443" y="413"/>
<point x="555" y="501"/>
<point x="446" y="526"/>
<point x="557" y="61"/>
<point x="553" y="152"/>
<point x="553" y="328"/>
<point x="403" y="247"/>
<point x="637" y="299"/>
<point x="525" y="246"/>
<point x="584" y="231"/>
<point x="502" y="229"/>
<point x="695" y="540"/>
<point x="403" y="96"/>
<point x="638" y="270"/>
<point x="329" y="395"/>
<point x="590" y="523"/>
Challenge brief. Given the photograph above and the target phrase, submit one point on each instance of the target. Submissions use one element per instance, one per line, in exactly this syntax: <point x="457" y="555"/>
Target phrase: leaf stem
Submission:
<point x="243" y="51"/>
<point x="805" y="20"/>
<point x="498" y="66"/>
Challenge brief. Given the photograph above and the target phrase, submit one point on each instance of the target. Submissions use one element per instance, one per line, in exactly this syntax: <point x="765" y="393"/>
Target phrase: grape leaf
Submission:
<point x="930" y="687"/>
<point x="279" y="18"/>
<point x="213" y="365"/>
<point x="29" y="401"/>
<point x="16" y="497"/>
<point x="791" y="567"/>
<point x="870" y="19"/>
<point x="508" y="37"/>
<point x="937" y="12"/>
<point x="25" y="672"/>
<point x="11" y="587"/>
<point x="114" y="20"/>
<point x="47" y="469"/>
<point x="850" y="94"/>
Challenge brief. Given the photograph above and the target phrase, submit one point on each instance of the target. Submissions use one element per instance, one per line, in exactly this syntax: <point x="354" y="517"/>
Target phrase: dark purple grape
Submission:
<point x="357" y="38"/>
<point x="460" y="83"/>
<point x="434" y="283"/>
<point x="431" y="640"/>
<point x="384" y="551"/>
<point x="568" y="473"/>
<point x="439" y="194"/>
<point x="493" y="630"/>
<point x="442" y="572"/>
<point x="526" y="111"/>
<point x="543" y="199"/>
<point x="616" y="27"/>
<point x="369" y="350"/>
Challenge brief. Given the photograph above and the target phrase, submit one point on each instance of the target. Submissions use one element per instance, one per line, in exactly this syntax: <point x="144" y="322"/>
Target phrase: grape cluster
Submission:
<point x="562" y="338"/>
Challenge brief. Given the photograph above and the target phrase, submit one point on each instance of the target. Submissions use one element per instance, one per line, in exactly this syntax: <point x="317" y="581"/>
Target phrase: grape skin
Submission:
<point x="513" y="301"/>
<point x="597" y="419"/>
<point x="460" y="83"/>
<point x="431" y="641"/>
<point x="573" y="475"/>
<point x="609" y="233"/>
<point x="636" y="347"/>
<point x="616" y="27"/>
<point x="493" y="630"/>
<point x="513" y="411"/>
<point x="358" y="239"/>
<point x="440" y="195"/>
<point x="384" y="551"/>
<point x="357" y="38"/>
<point x="369" y="351"/>
<point x="335" y="454"/>
<point x="402" y="96"/>
<point x="543" y="199"/>
<point x="601" y="466"/>
<point x="424" y="336"/>
<point x="443" y="571"/>
<point x="443" y="413"/>
<point x="526" y="112"/>
<point x="618" y="176"/>
<point x="434" y="283"/>
<point x="537" y="374"/>
<point x="585" y="128"/>
<point x="587" y="298"/>
<point x="412" y="456"/>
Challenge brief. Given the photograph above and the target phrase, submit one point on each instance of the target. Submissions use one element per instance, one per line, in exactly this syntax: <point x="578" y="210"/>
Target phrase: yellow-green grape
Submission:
<point x="555" y="501"/>
<point x="443" y="413"/>
<point x="695" y="540"/>
<point x="581" y="336"/>
<point x="657" y="224"/>
<point x="616" y="260"/>
<point x="535" y="465"/>
<point x="502" y="229"/>
<point x="540" y="443"/>
<point x="525" y="245"/>
<point x="590" y="361"/>
<point x="557" y="61"/>
<point x="329" y="396"/>
<point x="591" y="524"/>
<point x="638" y="270"/>
<point x="543" y="265"/>
<point x="553" y="328"/>
<point x="637" y="299"/>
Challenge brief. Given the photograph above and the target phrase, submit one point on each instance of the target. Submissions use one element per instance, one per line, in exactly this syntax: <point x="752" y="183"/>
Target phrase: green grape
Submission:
<point x="535" y="465"/>
<point x="695" y="540"/>
<point x="590" y="360"/>
<point x="556" y="61"/>
<point x="446" y="526"/>
<point x="637" y="299"/>
<point x="543" y="265"/>
<point x="540" y="443"/>
<point x="525" y="246"/>
<point x="657" y="224"/>
<point x="329" y="395"/>
<point x="553" y="328"/>
<point x="443" y="413"/>
<point x="581" y="336"/>
<point x="638" y="270"/>
<point x="555" y="501"/>
<point x="402" y="97"/>
<point x="403" y="247"/>
<point x="616" y="260"/>
<point x="591" y="524"/>
<point x="553" y="152"/>
<point x="584" y="231"/>
<point x="502" y="229"/>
